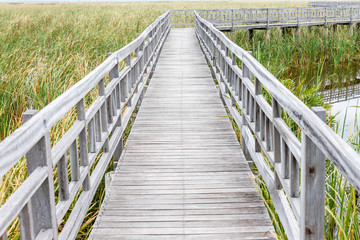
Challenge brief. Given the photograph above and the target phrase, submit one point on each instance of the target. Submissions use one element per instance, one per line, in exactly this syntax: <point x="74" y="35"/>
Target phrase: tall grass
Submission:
<point x="299" y="64"/>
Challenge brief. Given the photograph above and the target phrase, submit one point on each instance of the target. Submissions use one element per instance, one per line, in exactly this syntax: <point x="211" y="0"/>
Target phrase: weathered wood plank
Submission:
<point x="182" y="174"/>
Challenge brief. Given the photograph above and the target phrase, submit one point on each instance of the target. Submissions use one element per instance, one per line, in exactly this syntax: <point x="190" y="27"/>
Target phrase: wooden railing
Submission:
<point x="266" y="139"/>
<point x="93" y="139"/>
<point x="264" y="18"/>
<point x="340" y="94"/>
<point x="334" y="4"/>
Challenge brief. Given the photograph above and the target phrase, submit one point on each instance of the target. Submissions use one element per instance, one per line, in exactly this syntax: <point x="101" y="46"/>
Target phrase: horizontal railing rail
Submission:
<point x="281" y="158"/>
<point x="334" y="3"/>
<point x="340" y="94"/>
<point x="85" y="149"/>
<point x="270" y="17"/>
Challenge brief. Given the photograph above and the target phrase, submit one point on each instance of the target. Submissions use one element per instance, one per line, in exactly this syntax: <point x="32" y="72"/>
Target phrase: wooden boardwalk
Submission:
<point x="182" y="174"/>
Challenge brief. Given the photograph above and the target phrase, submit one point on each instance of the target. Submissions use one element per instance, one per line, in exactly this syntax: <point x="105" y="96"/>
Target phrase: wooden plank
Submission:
<point x="182" y="174"/>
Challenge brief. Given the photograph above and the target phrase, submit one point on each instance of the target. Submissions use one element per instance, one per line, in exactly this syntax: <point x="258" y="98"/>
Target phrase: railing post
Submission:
<point x="244" y="110"/>
<point x="83" y="143"/>
<point x="326" y="25"/>
<point x="257" y="110"/>
<point x="351" y="24"/>
<point x="267" y="24"/>
<point x="232" y="19"/>
<point x="298" y="23"/>
<point x="39" y="213"/>
<point x="276" y="112"/>
<point x="312" y="212"/>
<point x="114" y="73"/>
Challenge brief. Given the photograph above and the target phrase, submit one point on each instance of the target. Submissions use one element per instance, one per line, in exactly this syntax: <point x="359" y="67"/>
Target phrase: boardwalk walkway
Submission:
<point x="183" y="174"/>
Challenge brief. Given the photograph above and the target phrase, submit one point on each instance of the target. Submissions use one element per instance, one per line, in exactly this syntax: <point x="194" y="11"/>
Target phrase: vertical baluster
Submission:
<point x="110" y="109"/>
<point x="5" y="236"/>
<point x="103" y="110"/>
<point x="312" y="181"/>
<point x="298" y="23"/>
<point x="213" y="51"/>
<point x="244" y="110"/>
<point x="63" y="178"/>
<point x="262" y="126"/>
<point x="91" y="129"/>
<point x="128" y="81"/>
<point x="222" y="47"/>
<point x="294" y="176"/>
<point x="26" y="220"/>
<point x="235" y="77"/>
<point x="226" y="66"/>
<point x="232" y="19"/>
<point x="268" y="137"/>
<point x="267" y="24"/>
<point x="218" y="55"/>
<point x="285" y="159"/>
<point x="257" y="112"/>
<point x="118" y="97"/>
<point x="83" y="143"/>
<point x="114" y="73"/>
<point x="248" y="102"/>
<point x="276" y="111"/>
<point x="252" y="108"/>
<point x="74" y="161"/>
<point x="43" y="201"/>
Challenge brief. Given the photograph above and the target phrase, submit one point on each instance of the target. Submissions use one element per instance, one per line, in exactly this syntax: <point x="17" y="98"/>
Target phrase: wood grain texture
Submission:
<point x="182" y="174"/>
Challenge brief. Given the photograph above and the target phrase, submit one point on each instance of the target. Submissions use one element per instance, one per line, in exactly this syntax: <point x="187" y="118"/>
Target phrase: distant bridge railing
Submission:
<point x="270" y="143"/>
<point x="265" y="18"/>
<point x="340" y="94"/>
<point x="334" y="4"/>
<point x="93" y="139"/>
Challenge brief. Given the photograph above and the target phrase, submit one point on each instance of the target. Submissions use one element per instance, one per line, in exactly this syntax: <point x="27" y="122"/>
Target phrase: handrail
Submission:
<point x="333" y="3"/>
<point x="264" y="18"/>
<point x="264" y="131"/>
<point x="94" y="139"/>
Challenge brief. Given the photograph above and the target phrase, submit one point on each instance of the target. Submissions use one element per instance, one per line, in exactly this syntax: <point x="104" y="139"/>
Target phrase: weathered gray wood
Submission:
<point x="83" y="143"/>
<point x="43" y="201"/>
<point x="276" y="142"/>
<point x="74" y="161"/>
<point x="26" y="220"/>
<point x="4" y="236"/>
<point x="63" y="179"/>
<point x="182" y="160"/>
<point x="312" y="181"/>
